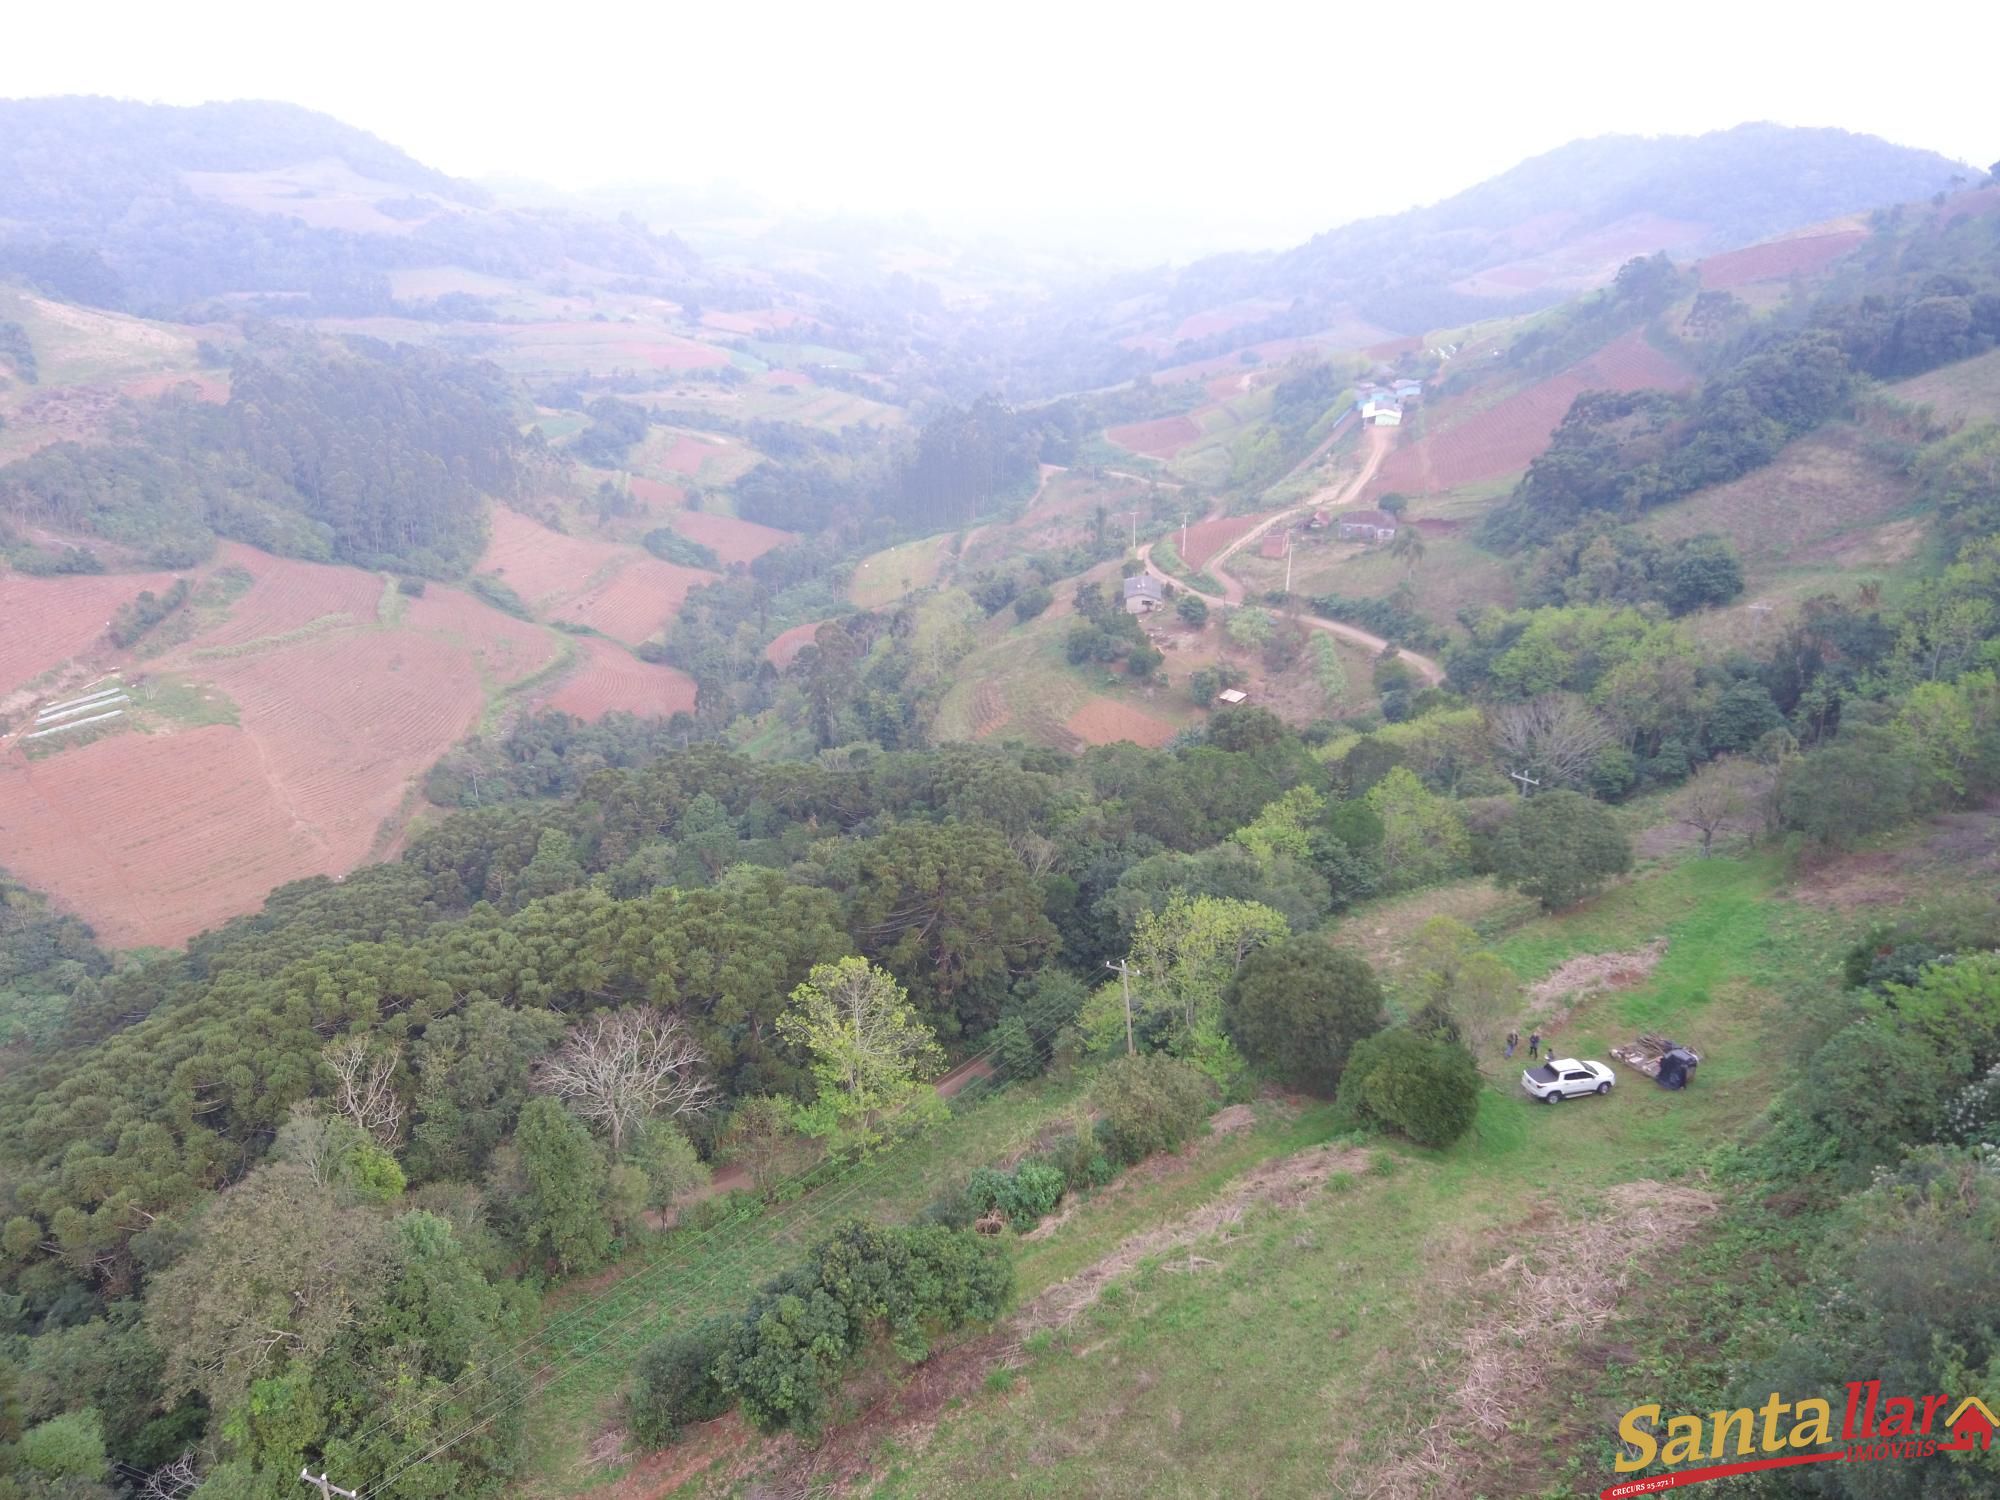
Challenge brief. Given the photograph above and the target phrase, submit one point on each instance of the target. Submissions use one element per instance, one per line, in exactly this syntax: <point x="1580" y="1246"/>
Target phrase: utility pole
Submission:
<point x="327" y="1488"/>
<point x="1184" y="520"/>
<point x="1135" y="532"/>
<point x="1525" y="780"/>
<point x="1125" y="973"/>
<point x="1290" y="539"/>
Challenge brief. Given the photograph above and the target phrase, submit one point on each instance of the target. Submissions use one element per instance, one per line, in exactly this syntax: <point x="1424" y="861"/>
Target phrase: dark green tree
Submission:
<point x="1297" y="1007"/>
<point x="1559" y="848"/>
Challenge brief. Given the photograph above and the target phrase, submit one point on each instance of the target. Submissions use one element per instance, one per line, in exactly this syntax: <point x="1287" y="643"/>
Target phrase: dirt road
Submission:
<point x="1378" y="440"/>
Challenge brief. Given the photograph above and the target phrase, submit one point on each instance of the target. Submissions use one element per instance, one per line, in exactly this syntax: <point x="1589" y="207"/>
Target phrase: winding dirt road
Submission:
<point x="1378" y="440"/>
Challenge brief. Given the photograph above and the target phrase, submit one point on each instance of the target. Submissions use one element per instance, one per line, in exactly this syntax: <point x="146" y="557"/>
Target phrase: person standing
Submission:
<point x="1513" y="1041"/>
<point x="1534" y="1044"/>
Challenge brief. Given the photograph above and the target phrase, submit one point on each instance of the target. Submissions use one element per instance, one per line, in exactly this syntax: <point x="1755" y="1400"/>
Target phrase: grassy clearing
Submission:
<point x="594" y="1331"/>
<point x="1966" y="390"/>
<point x="1324" y="1336"/>
<point x="187" y="704"/>
<point x="891" y="574"/>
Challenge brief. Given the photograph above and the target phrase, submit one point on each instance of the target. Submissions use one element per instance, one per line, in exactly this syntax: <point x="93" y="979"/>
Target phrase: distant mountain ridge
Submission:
<point x="156" y="208"/>
<point x="1686" y="194"/>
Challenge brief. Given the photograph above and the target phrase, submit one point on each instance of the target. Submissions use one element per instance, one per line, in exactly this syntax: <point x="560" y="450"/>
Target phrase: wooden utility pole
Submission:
<point x="1289" y="540"/>
<point x="327" y="1488"/>
<point x="1125" y="973"/>
<point x="1184" y="521"/>
<point x="1525" y="780"/>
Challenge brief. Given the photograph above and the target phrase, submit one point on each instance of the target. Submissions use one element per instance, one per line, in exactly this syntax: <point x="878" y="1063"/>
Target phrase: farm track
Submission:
<point x="1379" y="439"/>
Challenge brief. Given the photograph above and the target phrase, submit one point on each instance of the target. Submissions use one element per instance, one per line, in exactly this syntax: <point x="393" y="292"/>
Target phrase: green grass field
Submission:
<point x="891" y="574"/>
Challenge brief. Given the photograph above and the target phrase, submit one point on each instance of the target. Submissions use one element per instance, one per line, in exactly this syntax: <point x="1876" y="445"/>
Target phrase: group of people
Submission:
<point x="1534" y="1044"/>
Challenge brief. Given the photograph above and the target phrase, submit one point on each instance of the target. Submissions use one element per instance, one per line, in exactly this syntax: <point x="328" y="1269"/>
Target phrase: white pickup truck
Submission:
<point x="1561" y="1077"/>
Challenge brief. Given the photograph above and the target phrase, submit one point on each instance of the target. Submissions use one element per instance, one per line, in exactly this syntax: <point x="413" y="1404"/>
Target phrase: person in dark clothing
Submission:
<point x="1534" y="1043"/>
<point x="1513" y="1041"/>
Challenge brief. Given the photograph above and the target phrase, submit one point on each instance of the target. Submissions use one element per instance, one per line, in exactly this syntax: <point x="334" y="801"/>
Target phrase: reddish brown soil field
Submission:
<point x="636" y="601"/>
<point x="1162" y="437"/>
<point x="671" y="353"/>
<point x="343" y="722"/>
<point x="156" y="837"/>
<point x="655" y="493"/>
<point x="1216" y="320"/>
<point x="611" y="680"/>
<point x="785" y="378"/>
<point x="1104" y="721"/>
<point x="506" y="649"/>
<point x="46" y="621"/>
<point x="1777" y="260"/>
<point x="787" y="644"/>
<point x="543" y="565"/>
<point x="289" y="594"/>
<point x="1502" y="439"/>
<point x="734" y="541"/>
<point x="1206" y="538"/>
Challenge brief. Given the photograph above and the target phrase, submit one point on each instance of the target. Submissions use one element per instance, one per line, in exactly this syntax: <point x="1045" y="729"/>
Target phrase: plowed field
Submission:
<point x="506" y="649"/>
<point x="46" y="621"/>
<point x="1502" y="439"/>
<point x="636" y="601"/>
<point x="1104" y="721"/>
<point x="1206" y="538"/>
<point x="787" y="644"/>
<point x="619" y="590"/>
<point x="1162" y="437"/>
<point x="288" y="594"/>
<point x="343" y="722"/>
<point x="734" y="541"/>
<point x="611" y="680"/>
<point x="1776" y="260"/>
<point x="157" y="837"/>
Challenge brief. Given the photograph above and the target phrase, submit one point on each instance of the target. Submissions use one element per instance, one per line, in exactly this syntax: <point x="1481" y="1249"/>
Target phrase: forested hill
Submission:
<point x="153" y="207"/>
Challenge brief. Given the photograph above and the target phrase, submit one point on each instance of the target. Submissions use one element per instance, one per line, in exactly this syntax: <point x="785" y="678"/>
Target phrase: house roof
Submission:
<point x="1142" y="586"/>
<point x="1232" y="695"/>
<point x="1367" y="518"/>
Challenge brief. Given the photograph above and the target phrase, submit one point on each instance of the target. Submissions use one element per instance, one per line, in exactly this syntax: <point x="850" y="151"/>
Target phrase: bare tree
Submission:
<point x="1037" y="851"/>
<point x="620" y="1068"/>
<point x="1712" y="799"/>
<point x="1557" y="734"/>
<point x="365" y="1086"/>
<point x="174" y="1481"/>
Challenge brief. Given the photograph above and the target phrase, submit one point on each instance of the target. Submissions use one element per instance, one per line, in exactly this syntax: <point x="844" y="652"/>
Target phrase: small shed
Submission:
<point x="1142" y="594"/>
<point x="1365" y="526"/>
<point x="1231" y="696"/>
<point x="1407" y="390"/>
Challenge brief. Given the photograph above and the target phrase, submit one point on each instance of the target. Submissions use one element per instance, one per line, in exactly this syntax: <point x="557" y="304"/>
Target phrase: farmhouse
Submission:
<point x="1378" y="408"/>
<point x="1231" y="696"/>
<point x="1142" y="594"/>
<point x="1366" y="526"/>
<point x="1407" y="390"/>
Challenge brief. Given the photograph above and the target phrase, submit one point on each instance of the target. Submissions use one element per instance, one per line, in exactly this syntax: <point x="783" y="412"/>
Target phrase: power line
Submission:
<point x="821" y="1214"/>
<point x="817" y="1214"/>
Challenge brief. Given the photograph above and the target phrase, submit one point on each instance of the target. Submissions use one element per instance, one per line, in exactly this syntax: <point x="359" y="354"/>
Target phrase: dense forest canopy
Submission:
<point x="373" y="454"/>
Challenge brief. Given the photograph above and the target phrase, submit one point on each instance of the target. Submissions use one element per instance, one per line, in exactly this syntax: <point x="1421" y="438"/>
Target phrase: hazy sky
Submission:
<point x="1226" y="122"/>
